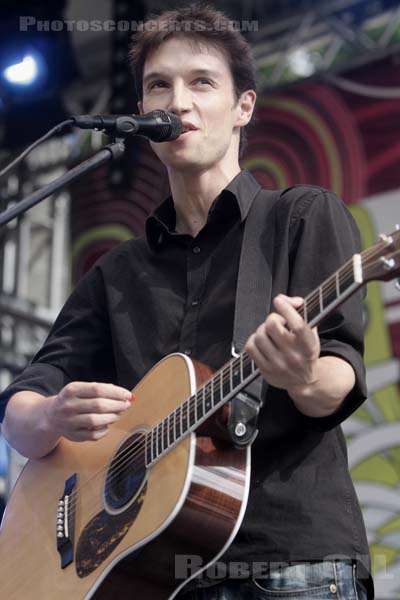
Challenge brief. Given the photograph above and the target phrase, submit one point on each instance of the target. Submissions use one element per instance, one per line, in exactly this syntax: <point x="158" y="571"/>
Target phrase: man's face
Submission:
<point x="195" y="83"/>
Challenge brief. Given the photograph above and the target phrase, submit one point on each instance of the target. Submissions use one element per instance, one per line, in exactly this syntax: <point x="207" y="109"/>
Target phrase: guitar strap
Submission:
<point x="253" y="303"/>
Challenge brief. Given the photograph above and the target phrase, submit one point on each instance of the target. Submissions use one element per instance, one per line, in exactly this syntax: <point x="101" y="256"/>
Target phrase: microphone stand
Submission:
<point x="106" y="154"/>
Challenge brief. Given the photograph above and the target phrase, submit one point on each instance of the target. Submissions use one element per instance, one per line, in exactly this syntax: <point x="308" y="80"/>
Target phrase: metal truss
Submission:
<point x="327" y="37"/>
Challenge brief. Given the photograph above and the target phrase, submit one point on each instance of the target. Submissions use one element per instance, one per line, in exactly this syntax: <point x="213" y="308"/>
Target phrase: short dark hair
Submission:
<point x="200" y="24"/>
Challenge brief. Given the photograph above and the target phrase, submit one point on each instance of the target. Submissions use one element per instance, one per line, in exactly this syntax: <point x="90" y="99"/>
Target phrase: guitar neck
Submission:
<point x="239" y="372"/>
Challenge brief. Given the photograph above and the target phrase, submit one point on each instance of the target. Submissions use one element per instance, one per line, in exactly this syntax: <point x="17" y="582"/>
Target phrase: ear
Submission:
<point x="245" y="107"/>
<point x="140" y="107"/>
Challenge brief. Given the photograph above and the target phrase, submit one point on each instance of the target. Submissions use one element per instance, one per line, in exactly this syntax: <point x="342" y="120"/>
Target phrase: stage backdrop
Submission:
<point x="318" y="133"/>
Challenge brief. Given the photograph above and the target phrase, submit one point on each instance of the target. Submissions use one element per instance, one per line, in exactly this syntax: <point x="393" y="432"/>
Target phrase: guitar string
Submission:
<point x="157" y="441"/>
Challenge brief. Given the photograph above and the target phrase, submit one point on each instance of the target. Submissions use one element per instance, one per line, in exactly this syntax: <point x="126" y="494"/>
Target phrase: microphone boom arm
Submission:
<point x="106" y="154"/>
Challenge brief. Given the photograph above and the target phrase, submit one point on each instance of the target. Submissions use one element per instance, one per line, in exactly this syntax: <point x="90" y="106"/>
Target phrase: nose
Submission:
<point x="180" y="99"/>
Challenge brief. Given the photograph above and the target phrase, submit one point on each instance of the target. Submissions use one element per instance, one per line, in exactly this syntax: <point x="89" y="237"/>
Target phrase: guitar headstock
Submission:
<point x="382" y="260"/>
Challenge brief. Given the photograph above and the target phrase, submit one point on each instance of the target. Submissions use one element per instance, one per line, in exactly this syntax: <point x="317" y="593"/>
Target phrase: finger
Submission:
<point x="87" y="435"/>
<point x="275" y="328"/>
<point x="264" y="352"/>
<point x="99" y="405"/>
<point x="92" y="421"/>
<point x="262" y="360"/>
<point x="295" y="301"/>
<point x="84" y="389"/>
<point x="294" y="322"/>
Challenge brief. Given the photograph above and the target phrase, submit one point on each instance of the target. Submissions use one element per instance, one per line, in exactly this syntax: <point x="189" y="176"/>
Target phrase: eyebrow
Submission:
<point x="195" y="72"/>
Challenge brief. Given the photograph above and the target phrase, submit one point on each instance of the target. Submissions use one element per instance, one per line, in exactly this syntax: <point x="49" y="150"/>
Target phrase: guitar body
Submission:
<point x="126" y="531"/>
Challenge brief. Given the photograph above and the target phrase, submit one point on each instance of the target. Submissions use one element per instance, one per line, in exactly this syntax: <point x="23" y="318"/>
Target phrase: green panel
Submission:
<point x="378" y="469"/>
<point x="391" y="526"/>
<point x="119" y="233"/>
<point x="382" y="557"/>
<point x="320" y="128"/>
<point x="267" y="164"/>
<point x="363" y="414"/>
<point x="388" y="401"/>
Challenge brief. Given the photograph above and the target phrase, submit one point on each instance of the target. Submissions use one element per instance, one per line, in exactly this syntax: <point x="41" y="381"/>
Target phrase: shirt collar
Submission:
<point x="162" y="221"/>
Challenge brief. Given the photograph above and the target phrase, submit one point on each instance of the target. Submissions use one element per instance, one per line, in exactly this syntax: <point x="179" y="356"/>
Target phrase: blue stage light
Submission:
<point x="24" y="72"/>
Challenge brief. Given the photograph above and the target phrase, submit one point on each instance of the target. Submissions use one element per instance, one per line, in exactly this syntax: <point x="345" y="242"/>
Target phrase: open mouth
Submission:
<point x="188" y="127"/>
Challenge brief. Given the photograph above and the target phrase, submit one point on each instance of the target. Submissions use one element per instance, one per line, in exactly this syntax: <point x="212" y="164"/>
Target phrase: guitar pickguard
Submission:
<point x="103" y="534"/>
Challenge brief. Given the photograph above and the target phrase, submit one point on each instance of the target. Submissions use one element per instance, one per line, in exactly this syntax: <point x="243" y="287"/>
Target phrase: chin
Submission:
<point x="175" y="161"/>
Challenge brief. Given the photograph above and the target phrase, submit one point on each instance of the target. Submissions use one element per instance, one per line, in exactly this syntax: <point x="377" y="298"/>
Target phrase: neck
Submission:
<point x="193" y="194"/>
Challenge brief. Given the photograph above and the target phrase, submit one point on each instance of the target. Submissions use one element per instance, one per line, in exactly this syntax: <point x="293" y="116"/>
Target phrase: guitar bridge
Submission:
<point x="65" y="523"/>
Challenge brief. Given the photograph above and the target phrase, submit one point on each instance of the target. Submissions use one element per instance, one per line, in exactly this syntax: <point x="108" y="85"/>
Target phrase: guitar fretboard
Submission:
<point x="241" y="371"/>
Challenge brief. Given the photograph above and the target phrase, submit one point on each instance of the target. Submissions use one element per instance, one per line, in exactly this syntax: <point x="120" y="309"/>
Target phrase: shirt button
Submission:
<point x="196" y="250"/>
<point x="188" y="352"/>
<point x="333" y="588"/>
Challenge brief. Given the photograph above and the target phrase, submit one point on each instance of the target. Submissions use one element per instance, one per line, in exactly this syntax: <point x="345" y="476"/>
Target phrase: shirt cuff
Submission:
<point x="41" y="378"/>
<point x="354" y="398"/>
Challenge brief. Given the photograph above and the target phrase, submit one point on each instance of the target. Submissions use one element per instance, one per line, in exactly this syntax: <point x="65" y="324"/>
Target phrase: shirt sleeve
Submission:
<point x="324" y="236"/>
<point x="78" y="347"/>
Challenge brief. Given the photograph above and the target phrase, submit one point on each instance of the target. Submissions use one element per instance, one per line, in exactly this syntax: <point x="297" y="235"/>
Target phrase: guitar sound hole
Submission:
<point x="126" y="474"/>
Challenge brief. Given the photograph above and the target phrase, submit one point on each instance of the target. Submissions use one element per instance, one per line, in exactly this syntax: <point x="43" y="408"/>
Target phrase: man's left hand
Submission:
<point x="284" y="347"/>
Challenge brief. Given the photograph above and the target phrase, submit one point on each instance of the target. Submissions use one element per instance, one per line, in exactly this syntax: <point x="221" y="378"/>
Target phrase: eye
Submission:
<point x="156" y="84"/>
<point x="203" y="80"/>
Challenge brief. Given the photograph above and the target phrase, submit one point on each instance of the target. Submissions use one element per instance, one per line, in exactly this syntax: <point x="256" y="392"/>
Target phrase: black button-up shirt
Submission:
<point x="169" y="293"/>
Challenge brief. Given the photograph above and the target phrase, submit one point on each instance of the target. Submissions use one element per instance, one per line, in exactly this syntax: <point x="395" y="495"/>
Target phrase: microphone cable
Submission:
<point x="25" y="153"/>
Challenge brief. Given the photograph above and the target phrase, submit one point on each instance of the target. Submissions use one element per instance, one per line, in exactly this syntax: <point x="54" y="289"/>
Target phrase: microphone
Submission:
<point x="158" y="125"/>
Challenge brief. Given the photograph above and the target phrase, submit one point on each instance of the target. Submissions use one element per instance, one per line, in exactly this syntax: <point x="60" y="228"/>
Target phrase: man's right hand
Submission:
<point x="83" y="411"/>
<point x="33" y="424"/>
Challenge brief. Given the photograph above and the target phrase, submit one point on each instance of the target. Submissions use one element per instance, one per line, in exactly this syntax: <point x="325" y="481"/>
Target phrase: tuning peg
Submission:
<point x="397" y="285"/>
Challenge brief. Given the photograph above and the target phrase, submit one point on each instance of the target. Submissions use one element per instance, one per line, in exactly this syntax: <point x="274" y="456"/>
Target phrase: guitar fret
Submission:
<point x="226" y="388"/>
<point x="305" y="310"/>
<point x="159" y="439"/>
<point x="236" y="378"/>
<point x="199" y="406"/>
<point x="207" y="401"/>
<point x="247" y="368"/>
<point x="175" y="432"/>
<point x="181" y="420"/>
<point x="191" y="413"/>
<point x="153" y="453"/>
<point x="166" y="434"/>
<point x="321" y="301"/>
<point x="184" y="418"/>
<point x="147" y="449"/>
<point x="177" y="423"/>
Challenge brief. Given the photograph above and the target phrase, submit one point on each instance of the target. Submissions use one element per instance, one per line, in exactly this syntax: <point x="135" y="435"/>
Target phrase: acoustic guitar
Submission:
<point x="139" y="513"/>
